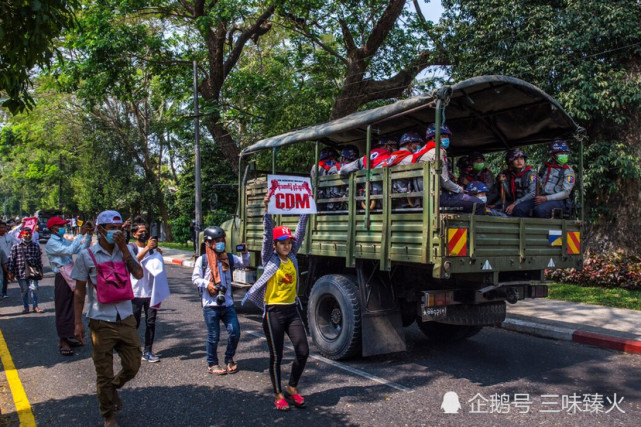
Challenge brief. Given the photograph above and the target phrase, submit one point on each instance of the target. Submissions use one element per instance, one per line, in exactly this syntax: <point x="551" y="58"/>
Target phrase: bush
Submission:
<point x="606" y="271"/>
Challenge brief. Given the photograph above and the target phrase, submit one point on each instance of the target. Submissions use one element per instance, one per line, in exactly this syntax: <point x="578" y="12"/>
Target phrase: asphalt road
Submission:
<point x="574" y="383"/>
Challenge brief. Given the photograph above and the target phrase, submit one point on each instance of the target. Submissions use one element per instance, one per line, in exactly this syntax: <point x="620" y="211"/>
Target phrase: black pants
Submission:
<point x="5" y="282"/>
<point x="150" y="319"/>
<point x="64" y="307"/>
<point x="278" y="320"/>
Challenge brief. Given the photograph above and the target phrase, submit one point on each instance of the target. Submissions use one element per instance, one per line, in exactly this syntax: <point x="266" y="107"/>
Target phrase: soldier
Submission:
<point x="481" y="173"/>
<point x="519" y="183"/>
<point x="464" y="171"/>
<point x="328" y="158"/>
<point x="452" y="194"/>
<point x="557" y="181"/>
<point x="378" y="156"/>
<point x="409" y="144"/>
<point x="349" y="153"/>
<point x="480" y="190"/>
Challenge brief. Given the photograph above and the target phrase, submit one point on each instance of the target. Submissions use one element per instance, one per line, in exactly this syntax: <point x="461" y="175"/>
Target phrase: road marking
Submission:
<point x="17" y="391"/>
<point x="345" y="367"/>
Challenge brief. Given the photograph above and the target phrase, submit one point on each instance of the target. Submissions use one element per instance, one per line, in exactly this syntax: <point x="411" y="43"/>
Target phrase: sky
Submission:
<point x="431" y="9"/>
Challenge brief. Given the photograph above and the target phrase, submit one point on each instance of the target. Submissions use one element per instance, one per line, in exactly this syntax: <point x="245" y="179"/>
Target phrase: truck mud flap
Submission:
<point x="382" y="333"/>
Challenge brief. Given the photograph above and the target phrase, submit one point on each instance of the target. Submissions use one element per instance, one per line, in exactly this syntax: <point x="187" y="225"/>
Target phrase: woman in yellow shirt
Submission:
<point x="276" y="291"/>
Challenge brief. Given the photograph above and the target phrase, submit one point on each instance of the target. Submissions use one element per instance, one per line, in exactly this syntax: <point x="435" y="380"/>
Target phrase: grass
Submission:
<point x="177" y="245"/>
<point x="619" y="298"/>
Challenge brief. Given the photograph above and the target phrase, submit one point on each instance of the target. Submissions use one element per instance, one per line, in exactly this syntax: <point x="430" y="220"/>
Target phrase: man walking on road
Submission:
<point x="7" y="240"/>
<point x="24" y="262"/>
<point x="59" y="251"/>
<point x="112" y="324"/>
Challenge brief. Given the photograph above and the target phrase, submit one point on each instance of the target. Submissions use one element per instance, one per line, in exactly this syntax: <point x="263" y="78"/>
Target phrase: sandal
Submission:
<point x="281" y="405"/>
<point x="65" y="351"/>
<point x="232" y="367"/>
<point x="297" y="400"/>
<point x="217" y="370"/>
<point x="38" y="310"/>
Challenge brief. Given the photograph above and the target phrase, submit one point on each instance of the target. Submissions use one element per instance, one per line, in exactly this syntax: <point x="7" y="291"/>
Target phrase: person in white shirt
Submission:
<point x="144" y="248"/>
<point x="7" y="240"/>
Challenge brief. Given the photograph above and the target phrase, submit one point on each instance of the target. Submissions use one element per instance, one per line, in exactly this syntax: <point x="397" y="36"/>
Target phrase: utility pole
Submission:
<point x="199" y="203"/>
<point x="60" y="185"/>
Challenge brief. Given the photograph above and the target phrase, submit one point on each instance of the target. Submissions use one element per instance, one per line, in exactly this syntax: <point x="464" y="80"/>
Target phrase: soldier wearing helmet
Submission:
<point x="409" y="144"/>
<point x="452" y="194"/>
<point x="519" y="183"/>
<point x="328" y="157"/>
<point x="557" y="181"/>
<point x="349" y="154"/>
<point x="479" y="190"/>
<point x="480" y="173"/>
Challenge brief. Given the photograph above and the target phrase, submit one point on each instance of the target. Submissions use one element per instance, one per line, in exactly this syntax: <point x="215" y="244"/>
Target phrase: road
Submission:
<point x="574" y="383"/>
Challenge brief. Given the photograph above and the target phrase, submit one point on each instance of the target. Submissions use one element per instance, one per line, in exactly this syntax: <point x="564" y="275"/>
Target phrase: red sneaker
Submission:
<point x="281" y="405"/>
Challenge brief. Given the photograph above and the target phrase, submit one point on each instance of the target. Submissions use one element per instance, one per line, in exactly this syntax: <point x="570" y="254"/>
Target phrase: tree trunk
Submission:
<point x="164" y="214"/>
<point x="223" y="139"/>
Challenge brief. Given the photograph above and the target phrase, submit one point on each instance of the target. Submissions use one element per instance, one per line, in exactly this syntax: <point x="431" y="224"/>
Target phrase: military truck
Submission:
<point x="367" y="272"/>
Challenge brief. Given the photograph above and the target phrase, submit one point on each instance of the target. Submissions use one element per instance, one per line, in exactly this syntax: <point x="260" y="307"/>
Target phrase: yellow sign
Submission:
<point x="574" y="242"/>
<point x="457" y="241"/>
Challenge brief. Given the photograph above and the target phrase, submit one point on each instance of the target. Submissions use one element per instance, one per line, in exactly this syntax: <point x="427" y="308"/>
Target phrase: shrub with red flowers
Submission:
<point x="606" y="271"/>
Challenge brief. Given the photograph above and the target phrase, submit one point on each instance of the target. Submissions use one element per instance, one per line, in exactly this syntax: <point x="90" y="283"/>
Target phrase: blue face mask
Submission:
<point x="24" y="239"/>
<point x="220" y="247"/>
<point x="109" y="237"/>
<point x="445" y="143"/>
<point x="61" y="232"/>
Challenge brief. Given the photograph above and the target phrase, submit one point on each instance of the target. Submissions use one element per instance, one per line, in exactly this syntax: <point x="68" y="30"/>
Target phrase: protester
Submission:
<point x="109" y="309"/>
<point x="214" y="286"/>
<point x="73" y="224"/>
<point x="149" y="256"/>
<point x="192" y="233"/>
<point x="276" y="291"/>
<point x="7" y="240"/>
<point x="25" y="265"/>
<point x="59" y="251"/>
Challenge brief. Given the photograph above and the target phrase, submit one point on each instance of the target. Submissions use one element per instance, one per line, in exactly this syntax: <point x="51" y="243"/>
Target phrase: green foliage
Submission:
<point x="582" y="52"/>
<point x="616" y="297"/>
<point x="28" y="29"/>
<point x="607" y="271"/>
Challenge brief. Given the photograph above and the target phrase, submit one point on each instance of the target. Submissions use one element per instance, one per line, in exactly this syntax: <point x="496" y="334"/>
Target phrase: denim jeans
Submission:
<point x="213" y="316"/>
<point x="29" y="287"/>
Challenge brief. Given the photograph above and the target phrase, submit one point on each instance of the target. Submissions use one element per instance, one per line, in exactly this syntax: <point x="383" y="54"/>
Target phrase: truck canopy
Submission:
<point x="486" y="113"/>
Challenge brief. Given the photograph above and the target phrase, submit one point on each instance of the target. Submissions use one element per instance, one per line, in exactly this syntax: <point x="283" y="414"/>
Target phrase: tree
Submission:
<point x="28" y="30"/>
<point x="585" y="53"/>
<point x="378" y="47"/>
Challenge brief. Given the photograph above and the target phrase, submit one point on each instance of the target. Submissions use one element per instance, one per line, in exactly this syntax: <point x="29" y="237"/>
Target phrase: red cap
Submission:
<point x="56" y="220"/>
<point x="281" y="233"/>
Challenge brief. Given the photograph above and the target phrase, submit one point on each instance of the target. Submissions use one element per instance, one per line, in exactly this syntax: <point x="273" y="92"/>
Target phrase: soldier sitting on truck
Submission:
<point x="408" y="145"/>
<point x="464" y="171"/>
<point x="557" y="182"/>
<point x="519" y="184"/>
<point x="378" y="156"/>
<point x="349" y="153"/>
<point x="479" y="190"/>
<point x="328" y="159"/>
<point x="481" y="173"/>
<point x="452" y="194"/>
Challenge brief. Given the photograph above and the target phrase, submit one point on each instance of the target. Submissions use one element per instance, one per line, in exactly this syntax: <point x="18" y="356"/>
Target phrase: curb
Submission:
<point x="177" y="261"/>
<point x="575" y="335"/>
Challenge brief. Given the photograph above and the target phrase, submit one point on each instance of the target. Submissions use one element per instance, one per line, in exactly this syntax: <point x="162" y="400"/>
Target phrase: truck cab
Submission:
<point x="370" y="269"/>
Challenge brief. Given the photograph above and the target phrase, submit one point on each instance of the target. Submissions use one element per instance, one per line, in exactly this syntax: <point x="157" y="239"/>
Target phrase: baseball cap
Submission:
<point x="56" y="220"/>
<point x="109" y="217"/>
<point x="281" y="233"/>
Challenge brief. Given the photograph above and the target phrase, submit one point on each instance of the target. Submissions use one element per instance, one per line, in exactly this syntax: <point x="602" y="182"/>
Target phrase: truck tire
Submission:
<point x="442" y="332"/>
<point x="334" y="316"/>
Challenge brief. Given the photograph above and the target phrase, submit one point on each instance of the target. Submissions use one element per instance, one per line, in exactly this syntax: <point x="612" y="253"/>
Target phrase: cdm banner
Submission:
<point x="290" y="195"/>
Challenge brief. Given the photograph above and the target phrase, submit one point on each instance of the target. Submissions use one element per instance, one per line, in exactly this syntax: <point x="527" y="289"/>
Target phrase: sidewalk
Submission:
<point x="605" y="327"/>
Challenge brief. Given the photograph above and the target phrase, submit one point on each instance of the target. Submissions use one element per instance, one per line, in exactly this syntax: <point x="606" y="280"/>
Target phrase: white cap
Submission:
<point x="109" y="217"/>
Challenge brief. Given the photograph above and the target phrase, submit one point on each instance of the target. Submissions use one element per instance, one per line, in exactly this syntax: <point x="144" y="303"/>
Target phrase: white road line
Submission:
<point x="345" y="367"/>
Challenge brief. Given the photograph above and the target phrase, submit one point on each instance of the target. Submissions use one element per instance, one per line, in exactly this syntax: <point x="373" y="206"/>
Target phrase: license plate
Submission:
<point x="433" y="313"/>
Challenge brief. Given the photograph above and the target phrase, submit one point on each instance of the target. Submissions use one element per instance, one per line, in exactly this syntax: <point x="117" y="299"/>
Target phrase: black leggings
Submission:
<point x="278" y="320"/>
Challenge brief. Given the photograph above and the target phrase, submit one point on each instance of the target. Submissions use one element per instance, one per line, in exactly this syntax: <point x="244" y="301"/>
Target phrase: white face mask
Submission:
<point x="483" y="198"/>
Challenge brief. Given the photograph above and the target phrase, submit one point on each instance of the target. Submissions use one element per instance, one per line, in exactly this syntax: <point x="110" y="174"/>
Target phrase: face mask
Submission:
<point x="143" y="237"/>
<point x="220" y="247"/>
<point x="478" y="166"/>
<point x="445" y="143"/>
<point x="26" y="240"/>
<point x="482" y="198"/>
<point x="562" y="158"/>
<point x="109" y="236"/>
<point x="61" y="232"/>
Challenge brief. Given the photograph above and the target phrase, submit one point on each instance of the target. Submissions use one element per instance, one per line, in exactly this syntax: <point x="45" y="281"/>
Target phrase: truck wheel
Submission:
<point x="441" y="332"/>
<point x="334" y="316"/>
